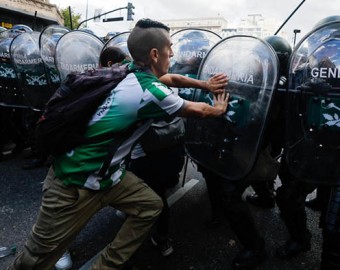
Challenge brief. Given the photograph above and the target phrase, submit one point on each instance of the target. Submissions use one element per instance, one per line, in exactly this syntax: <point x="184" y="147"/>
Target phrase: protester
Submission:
<point x="111" y="55"/>
<point x="152" y="165"/>
<point x="160" y="165"/>
<point x="73" y="193"/>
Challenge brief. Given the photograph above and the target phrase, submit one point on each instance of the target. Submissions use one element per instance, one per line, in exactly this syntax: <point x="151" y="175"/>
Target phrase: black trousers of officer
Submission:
<point x="290" y="198"/>
<point x="291" y="201"/>
<point x="160" y="170"/>
<point x="226" y="196"/>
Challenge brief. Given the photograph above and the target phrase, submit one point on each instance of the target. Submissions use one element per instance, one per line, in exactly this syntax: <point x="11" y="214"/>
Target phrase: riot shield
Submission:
<point x="4" y="34"/>
<point x="10" y="92"/>
<point x="313" y="114"/>
<point x="15" y="30"/>
<point x="190" y="46"/>
<point x="30" y="70"/>
<point x="229" y="145"/>
<point x="77" y="51"/>
<point x="10" y="33"/>
<point x="48" y="39"/>
<point x="120" y="41"/>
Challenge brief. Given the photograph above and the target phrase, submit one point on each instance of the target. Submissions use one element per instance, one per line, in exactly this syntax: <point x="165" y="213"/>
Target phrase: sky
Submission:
<point x="308" y="14"/>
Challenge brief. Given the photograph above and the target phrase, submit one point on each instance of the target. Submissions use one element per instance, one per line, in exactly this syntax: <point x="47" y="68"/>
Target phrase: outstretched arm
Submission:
<point x="214" y="84"/>
<point x="202" y="110"/>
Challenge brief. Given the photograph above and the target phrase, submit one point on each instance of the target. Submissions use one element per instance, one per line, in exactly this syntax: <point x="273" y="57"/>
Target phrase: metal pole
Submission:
<point x="34" y="20"/>
<point x="278" y="30"/>
<point x="87" y="10"/>
<point x="69" y="11"/>
<point x="295" y="32"/>
<point x="185" y="169"/>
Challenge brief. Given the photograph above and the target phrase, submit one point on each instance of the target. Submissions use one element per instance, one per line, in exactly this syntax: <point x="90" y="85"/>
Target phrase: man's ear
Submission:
<point x="154" y="55"/>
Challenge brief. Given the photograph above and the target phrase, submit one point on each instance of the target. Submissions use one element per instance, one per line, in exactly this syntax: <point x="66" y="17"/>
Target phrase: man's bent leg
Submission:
<point x="142" y="207"/>
<point x="63" y="212"/>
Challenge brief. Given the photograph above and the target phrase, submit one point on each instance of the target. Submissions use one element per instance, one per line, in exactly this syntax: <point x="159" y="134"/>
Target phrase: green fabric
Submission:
<point x="140" y="96"/>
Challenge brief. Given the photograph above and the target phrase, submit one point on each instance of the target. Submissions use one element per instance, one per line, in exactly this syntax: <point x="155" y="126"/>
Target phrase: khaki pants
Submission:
<point x="65" y="211"/>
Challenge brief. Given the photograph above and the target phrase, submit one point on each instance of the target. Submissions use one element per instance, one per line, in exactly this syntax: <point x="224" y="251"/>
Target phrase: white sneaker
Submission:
<point x="65" y="262"/>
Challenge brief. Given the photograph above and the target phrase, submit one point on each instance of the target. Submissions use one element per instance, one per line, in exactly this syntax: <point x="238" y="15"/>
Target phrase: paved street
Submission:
<point x="196" y="247"/>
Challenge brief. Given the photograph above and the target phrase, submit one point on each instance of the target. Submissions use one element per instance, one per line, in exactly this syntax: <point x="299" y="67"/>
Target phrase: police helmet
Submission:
<point x="283" y="50"/>
<point x="21" y="28"/>
<point x="194" y="34"/>
<point x="88" y="30"/>
<point x="56" y="36"/>
<point x="326" y="20"/>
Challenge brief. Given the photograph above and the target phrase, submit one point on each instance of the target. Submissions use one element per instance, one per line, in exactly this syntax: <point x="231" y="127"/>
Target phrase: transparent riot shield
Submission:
<point x="10" y="33"/>
<point x="120" y="41"/>
<point x="229" y="145"/>
<point x="77" y="51"/>
<point x="30" y="70"/>
<point x="190" y="46"/>
<point x="48" y="39"/>
<point x="11" y="94"/>
<point x="4" y="34"/>
<point x="15" y="30"/>
<point x="313" y="114"/>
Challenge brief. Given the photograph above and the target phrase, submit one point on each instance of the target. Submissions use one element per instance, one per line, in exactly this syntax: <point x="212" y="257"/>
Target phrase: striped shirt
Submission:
<point x="140" y="96"/>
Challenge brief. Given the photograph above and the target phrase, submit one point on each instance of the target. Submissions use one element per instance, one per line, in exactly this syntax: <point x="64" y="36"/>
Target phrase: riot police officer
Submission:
<point x="226" y="196"/>
<point x="264" y="195"/>
<point x="311" y="155"/>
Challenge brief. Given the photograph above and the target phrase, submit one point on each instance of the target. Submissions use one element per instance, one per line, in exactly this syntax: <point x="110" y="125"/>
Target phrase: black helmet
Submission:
<point x="326" y="20"/>
<point x="87" y="30"/>
<point x="283" y="50"/>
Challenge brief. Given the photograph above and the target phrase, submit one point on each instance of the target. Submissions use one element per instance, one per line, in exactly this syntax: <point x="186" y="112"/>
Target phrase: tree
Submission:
<point x="75" y="18"/>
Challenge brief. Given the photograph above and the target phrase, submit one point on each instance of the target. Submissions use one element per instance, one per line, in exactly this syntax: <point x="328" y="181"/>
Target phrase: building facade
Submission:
<point x="214" y="24"/>
<point x="253" y="25"/>
<point x="257" y="26"/>
<point x="36" y="14"/>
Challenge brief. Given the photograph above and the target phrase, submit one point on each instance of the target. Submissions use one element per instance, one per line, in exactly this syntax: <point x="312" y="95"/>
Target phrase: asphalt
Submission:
<point x="196" y="247"/>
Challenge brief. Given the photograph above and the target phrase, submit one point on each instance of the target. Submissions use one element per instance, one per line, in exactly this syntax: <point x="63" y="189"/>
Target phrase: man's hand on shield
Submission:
<point x="217" y="83"/>
<point x="221" y="101"/>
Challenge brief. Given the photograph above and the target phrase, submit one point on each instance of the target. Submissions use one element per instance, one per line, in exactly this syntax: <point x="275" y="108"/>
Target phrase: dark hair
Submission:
<point x="148" y="23"/>
<point x="113" y="54"/>
<point x="146" y="35"/>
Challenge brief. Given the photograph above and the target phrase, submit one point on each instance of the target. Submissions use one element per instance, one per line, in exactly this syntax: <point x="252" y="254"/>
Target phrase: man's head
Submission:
<point x="111" y="55"/>
<point x="150" y="46"/>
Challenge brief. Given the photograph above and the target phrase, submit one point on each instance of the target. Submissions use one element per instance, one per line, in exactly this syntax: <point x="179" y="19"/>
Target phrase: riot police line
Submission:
<point x="33" y="64"/>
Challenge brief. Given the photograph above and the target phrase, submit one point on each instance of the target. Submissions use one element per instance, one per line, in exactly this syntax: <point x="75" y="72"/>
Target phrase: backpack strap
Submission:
<point x="116" y="143"/>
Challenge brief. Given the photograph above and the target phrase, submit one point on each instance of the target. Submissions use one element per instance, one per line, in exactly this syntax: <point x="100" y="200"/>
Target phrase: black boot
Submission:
<point x="34" y="163"/>
<point x="314" y="204"/>
<point x="292" y="248"/>
<point x="249" y="259"/>
<point x="264" y="202"/>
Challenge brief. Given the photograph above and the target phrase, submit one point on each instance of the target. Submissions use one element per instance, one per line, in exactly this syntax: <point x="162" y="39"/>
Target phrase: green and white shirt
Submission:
<point x="139" y="96"/>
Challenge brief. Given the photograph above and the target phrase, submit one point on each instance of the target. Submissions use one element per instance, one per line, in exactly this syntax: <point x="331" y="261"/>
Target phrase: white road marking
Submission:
<point x="181" y="191"/>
